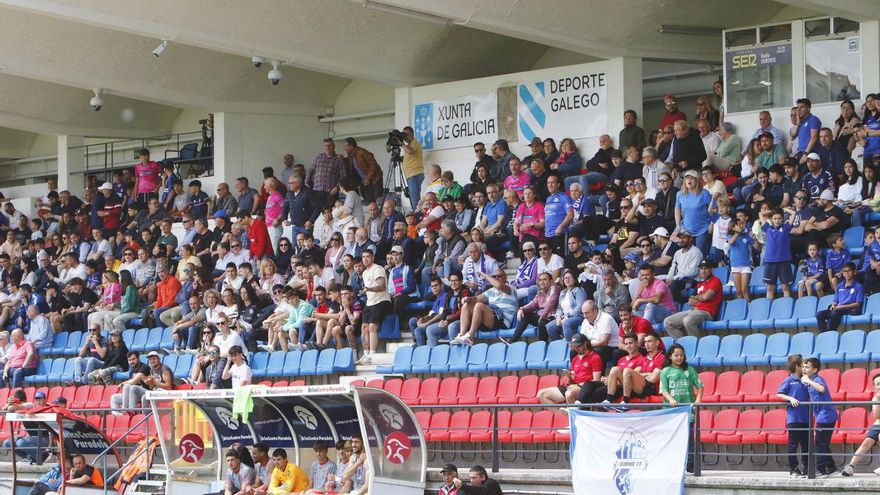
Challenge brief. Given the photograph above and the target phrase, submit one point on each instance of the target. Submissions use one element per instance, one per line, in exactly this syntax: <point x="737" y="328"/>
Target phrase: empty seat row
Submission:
<point x="477" y="426"/>
<point x="758" y="349"/>
<point x="753" y="426"/>
<point x="756" y="386"/>
<point x="480" y="357"/>
<point x="511" y="389"/>
<point x="304" y="363"/>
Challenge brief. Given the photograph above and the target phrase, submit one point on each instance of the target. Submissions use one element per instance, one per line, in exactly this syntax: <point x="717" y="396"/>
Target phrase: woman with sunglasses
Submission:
<point x="114" y="358"/>
<point x="282" y="255"/>
<point x="203" y="354"/>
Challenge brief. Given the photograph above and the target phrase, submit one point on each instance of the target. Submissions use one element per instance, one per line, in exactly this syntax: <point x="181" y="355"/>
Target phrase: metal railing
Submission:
<point x="695" y="446"/>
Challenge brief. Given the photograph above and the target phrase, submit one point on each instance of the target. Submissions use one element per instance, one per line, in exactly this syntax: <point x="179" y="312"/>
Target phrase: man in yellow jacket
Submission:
<point x="287" y="477"/>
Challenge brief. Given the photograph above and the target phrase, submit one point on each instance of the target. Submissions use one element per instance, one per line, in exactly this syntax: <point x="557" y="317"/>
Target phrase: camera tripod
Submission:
<point x="395" y="182"/>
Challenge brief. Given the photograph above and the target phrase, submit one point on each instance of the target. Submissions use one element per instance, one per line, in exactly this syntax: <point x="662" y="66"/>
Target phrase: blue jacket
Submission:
<point x="571" y="166"/>
<point x="300" y="208"/>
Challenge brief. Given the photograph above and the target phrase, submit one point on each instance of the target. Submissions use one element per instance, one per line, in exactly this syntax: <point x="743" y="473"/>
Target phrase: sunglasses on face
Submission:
<point x="283" y="244"/>
<point x="645" y="245"/>
<point x="663" y="180"/>
<point x="544" y="249"/>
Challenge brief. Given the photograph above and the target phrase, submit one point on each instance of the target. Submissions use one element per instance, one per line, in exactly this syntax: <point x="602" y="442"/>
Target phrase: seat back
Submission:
<point x="854" y="380"/>
<point x="726" y="421"/>
<point x="827" y="342"/>
<point x="805" y="307"/>
<point x="507" y="386"/>
<point x="854" y="237"/>
<point x="759" y="309"/>
<point x="488" y="388"/>
<point x="430" y="389"/>
<point x="731" y="345"/>
<point x="852" y="341"/>
<point x="708" y="346"/>
<point x="802" y="343"/>
<point x="516" y="353"/>
<point x="291" y="362"/>
<point x="477" y="354"/>
<point x="832" y="379"/>
<point x="708" y="378"/>
<point x="421" y="356"/>
<point x="781" y="308"/>
<point x="728" y="383"/>
<point x="689" y="343"/>
<point x="777" y="344"/>
<point x="872" y="341"/>
<point x="409" y="392"/>
<point x="772" y="382"/>
<point x="393" y="386"/>
<point x="752" y="383"/>
<point x="447" y="393"/>
<point x="467" y="390"/>
<point x="440" y="355"/>
<point x="275" y="365"/>
<point x="735" y="310"/>
<point x="754" y="345"/>
<point x="326" y="358"/>
<point x="309" y="361"/>
<point x="527" y="388"/>
<point x="536" y="352"/>
<point x="458" y="355"/>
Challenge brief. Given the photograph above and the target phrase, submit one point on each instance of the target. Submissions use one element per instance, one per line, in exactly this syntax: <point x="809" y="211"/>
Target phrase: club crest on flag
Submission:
<point x="631" y="459"/>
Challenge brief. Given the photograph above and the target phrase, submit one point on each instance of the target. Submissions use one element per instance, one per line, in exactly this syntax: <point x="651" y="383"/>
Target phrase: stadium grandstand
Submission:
<point x="501" y="220"/>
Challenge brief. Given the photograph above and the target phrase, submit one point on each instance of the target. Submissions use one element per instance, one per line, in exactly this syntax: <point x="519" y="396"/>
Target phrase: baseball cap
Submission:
<point x="449" y="467"/>
<point x="106" y="185"/>
<point x="661" y="231"/>
<point x="536" y="141"/>
<point x="706" y="264"/>
<point x="40" y="395"/>
<point x="813" y="156"/>
<point x="397" y="249"/>
<point x="578" y="339"/>
<point x="649" y="202"/>
<point x="827" y="194"/>
<point x="61" y="401"/>
<point x="634" y="257"/>
<point x="219" y="214"/>
<point x="52" y="285"/>
<point x="791" y="162"/>
<point x="154" y="354"/>
<point x="691" y="173"/>
<point x="685" y="232"/>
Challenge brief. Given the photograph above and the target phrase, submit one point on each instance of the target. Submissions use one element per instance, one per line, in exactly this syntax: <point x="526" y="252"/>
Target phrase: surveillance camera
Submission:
<point x="96" y="103"/>
<point x="257" y="61"/>
<point x="275" y="75"/>
<point x="161" y="48"/>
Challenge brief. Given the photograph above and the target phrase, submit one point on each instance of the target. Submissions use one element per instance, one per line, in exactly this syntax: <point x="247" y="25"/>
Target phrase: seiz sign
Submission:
<point x="762" y="56"/>
<point x="744" y="61"/>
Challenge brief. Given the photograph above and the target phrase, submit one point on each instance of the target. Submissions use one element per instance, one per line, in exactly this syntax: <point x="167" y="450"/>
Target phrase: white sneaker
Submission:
<point x="467" y="341"/>
<point x="265" y="347"/>
<point x="563" y="410"/>
<point x="848" y="470"/>
<point x="455" y="341"/>
<point x="877" y="471"/>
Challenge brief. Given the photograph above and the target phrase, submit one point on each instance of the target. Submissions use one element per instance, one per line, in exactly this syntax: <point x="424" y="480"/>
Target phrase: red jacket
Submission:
<point x="258" y="235"/>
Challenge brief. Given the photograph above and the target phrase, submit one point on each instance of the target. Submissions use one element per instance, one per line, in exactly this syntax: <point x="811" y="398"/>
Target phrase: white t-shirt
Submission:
<point x="226" y="343"/>
<point x="605" y="325"/>
<point x="436" y="212"/>
<point x="556" y="262"/>
<point x="371" y="278"/>
<point x="240" y="374"/>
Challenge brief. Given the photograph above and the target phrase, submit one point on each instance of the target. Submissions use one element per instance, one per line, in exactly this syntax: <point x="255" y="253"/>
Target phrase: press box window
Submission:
<point x="758" y="67"/>
<point x="833" y="67"/>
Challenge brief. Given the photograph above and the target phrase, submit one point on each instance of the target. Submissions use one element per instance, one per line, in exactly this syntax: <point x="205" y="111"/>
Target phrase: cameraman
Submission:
<point x="413" y="166"/>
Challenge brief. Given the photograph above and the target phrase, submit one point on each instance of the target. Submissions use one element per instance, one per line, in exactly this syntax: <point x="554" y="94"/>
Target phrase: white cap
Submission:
<point x="106" y="185"/>
<point x="813" y="156"/>
<point x="661" y="231"/>
<point x="827" y="195"/>
<point x="691" y="173"/>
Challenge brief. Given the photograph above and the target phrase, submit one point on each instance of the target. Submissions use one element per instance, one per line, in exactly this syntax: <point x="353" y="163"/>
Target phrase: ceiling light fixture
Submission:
<point x="160" y="49"/>
<point x="689" y="30"/>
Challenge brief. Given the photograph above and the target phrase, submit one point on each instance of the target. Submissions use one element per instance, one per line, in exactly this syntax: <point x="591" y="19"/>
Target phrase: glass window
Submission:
<point x="833" y="64"/>
<point x="758" y="78"/>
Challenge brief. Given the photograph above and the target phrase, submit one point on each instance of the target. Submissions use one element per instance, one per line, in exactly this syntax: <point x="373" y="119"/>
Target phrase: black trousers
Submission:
<point x="824" y="461"/>
<point x="798" y="436"/>
<point x="531" y="319"/>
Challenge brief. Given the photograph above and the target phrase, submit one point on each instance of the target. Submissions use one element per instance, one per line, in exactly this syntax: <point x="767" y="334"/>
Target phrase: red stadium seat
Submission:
<point x="527" y="389"/>
<point x="708" y="379"/>
<point x="448" y="393"/>
<point x="749" y="427"/>
<point x="54" y="393"/>
<point x="507" y="390"/>
<point x="188" y="386"/>
<point x="139" y="431"/>
<point x="542" y="426"/>
<point x="487" y="390"/>
<point x="852" y="385"/>
<point x="409" y="392"/>
<point x="774" y="426"/>
<point x="265" y="383"/>
<point x="424" y="419"/>
<point x="429" y="392"/>
<point x="725" y="427"/>
<point x="771" y="386"/>
<point x="376" y="383"/>
<point x="29" y="393"/>
<point x="105" y="399"/>
<point x="548" y="381"/>
<point x="393" y="386"/>
<point x="459" y="427"/>
<point x="357" y="383"/>
<point x="94" y="420"/>
<point x="96" y="393"/>
<point x="832" y="378"/>
<point x="116" y="426"/>
<point x="80" y="398"/>
<point x="4" y="394"/>
<point x="200" y="386"/>
<point x="505" y="418"/>
<point x="560" y="424"/>
<point x="520" y="427"/>
<point x="706" y="421"/>
<point x="851" y="426"/>
<point x="480" y="428"/>
<point x="297" y="383"/>
<point x="280" y="383"/>
<point x="467" y="390"/>
<point x="439" y="430"/>
<point x="727" y="385"/>
<point x="752" y="384"/>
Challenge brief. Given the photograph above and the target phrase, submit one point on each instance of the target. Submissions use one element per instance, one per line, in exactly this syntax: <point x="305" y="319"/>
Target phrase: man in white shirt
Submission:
<point x="601" y="329"/>
<point x="550" y="262"/>
<point x="475" y="263"/>
<point x="766" y="122"/>
<point x="378" y="305"/>
<point x="72" y="269"/>
<point x="685" y="266"/>
<point x="237" y="369"/>
<point x="710" y="139"/>
<point x="100" y="246"/>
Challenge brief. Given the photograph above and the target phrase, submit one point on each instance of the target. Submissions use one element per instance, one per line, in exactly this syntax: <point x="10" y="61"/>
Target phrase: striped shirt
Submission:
<point x="326" y="172"/>
<point x="503" y="302"/>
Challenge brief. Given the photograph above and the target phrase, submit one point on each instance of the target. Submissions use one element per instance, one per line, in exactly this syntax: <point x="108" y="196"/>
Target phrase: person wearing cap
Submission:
<point x="644" y="214"/>
<point x="492" y="310"/>
<point x="586" y="366"/>
<point x="684" y="267"/>
<point x="828" y="218"/>
<point x="536" y="146"/>
<point x="110" y="213"/>
<point x="692" y="209"/>
<point x="156" y="377"/>
<point x="704" y="305"/>
<point x="806" y="129"/>
<point x="90" y="356"/>
<point x="816" y="179"/>
<point x="449" y="472"/>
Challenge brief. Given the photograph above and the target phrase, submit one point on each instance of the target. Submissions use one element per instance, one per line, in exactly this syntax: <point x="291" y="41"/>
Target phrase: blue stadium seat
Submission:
<point x="870" y="312"/>
<point x="531" y="331"/>
<point x="344" y="360"/>
<point x="42" y="374"/>
<point x="275" y="365"/>
<point x="135" y="323"/>
<point x="421" y="359"/>
<point x="402" y="358"/>
<point x="458" y="358"/>
<point x="477" y="356"/>
<point x="439" y="357"/>
<point x="326" y="358"/>
<point x="852" y="343"/>
<point x="56" y="370"/>
<point x="495" y="359"/>
<point x="516" y="357"/>
<point x="756" y="283"/>
<point x="418" y="306"/>
<point x="753" y="351"/>
<point x="801" y="343"/>
<point x="558" y="355"/>
<point x="871" y="352"/>
<point x="689" y="343"/>
<point x="184" y="366"/>
<point x="536" y="355"/>
<point x="74" y="343"/>
<point x="826" y="342"/>
<point x="777" y="347"/>
<point x="59" y="343"/>
<point x="390" y="328"/>
<point x="823" y="303"/>
<point x="707" y="349"/>
<point x="67" y="374"/>
<point x="854" y="240"/>
<point x="723" y="273"/>
<point x="171" y="361"/>
<point x="166" y="342"/>
<point x="487" y="334"/>
<point x="729" y="352"/>
<point x="154" y="339"/>
<point x="780" y="308"/>
<point x="734" y="310"/>
<point x="139" y="342"/>
<point x="759" y="309"/>
<point x="804" y="307"/>
<point x="128" y="337"/>
<point x="258" y="362"/>
<point x="668" y="341"/>
<point x="291" y="363"/>
<point x="308" y="366"/>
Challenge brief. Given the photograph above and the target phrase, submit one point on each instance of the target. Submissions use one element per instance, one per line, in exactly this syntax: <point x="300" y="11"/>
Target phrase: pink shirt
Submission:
<point x="149" y="175"/>
<point x="18" y="354"/>
<point x="530" y="214"/>
<point x="518" y="183"/>
<point x="273" y="207"/>
<point x="659" y="287"/>
<point x="112" y="293"/>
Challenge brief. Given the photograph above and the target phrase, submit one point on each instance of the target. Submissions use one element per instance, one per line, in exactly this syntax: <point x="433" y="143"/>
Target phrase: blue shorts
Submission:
<point x="778" y="270"/>
<point x="874" y="433"/>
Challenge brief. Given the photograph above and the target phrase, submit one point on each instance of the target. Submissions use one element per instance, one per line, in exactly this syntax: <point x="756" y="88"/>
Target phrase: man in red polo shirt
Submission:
<point x="586" y="367"/>
<point x="644" y="380"/>
<point x="704" y="306"/>
<point x="593" y="392"/>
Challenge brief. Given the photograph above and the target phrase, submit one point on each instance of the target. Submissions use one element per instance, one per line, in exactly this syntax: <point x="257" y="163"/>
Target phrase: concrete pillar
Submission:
<point x="229" y="156"/>
<point x="625" y="94"/>
<point x="71" y="164"/>
<point x="869" y="42"/>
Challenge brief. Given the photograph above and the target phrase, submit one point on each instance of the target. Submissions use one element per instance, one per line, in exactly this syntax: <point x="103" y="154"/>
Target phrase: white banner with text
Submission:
<point x="456" y="123"/>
